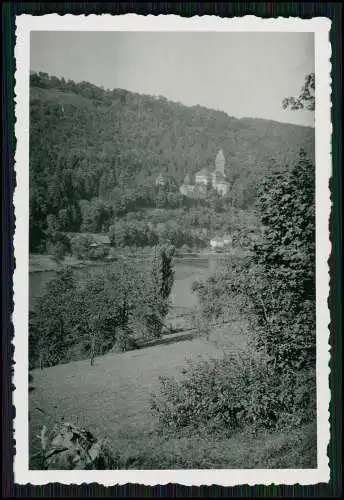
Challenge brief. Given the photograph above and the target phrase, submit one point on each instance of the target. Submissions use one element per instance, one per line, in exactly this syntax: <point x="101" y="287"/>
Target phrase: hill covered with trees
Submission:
<point x="95" y="155"/>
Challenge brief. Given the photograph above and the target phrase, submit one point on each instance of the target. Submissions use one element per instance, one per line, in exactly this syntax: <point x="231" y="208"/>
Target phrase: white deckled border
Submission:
<point x="323" y="131"/>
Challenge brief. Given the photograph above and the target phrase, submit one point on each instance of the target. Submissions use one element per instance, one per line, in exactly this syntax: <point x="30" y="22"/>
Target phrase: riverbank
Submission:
<point x="48" y="263"/>
<point x="45" y="263"/>
<point x="187" y="269"/>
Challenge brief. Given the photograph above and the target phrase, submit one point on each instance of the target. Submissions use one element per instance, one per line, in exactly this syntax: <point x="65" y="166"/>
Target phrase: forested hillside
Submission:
<point x="95" y="154"/>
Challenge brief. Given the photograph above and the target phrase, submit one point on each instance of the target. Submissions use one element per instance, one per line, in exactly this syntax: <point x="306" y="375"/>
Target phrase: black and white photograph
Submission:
<point x="171" y="244"/>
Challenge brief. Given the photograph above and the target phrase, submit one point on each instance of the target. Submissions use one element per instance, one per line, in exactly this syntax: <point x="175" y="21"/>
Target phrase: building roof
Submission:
<point x="204" y="171"/>
<point x="225" y="237"/>
<point x="187" y="188"/>
<point x="216" y="241"/>
<point x="187" y="179"/>
<point x="96" y="237"/>
<point x="102" y="239"/>
<point x="220" y="156"/>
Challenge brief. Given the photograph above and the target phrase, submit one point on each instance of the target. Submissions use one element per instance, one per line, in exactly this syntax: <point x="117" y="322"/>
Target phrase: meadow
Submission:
<point x="112" y="400"/>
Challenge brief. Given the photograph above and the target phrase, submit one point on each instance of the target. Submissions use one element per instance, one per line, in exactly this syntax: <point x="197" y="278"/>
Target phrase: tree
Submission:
<point x="161" y="283"/>
<point x="84" y="318"/>
<point x="95" y="215"/>
<point x="55" y="317"/>
<point x="306" y="99"/>
<point x="58" y="250"/>
<point x="285" y="260"/>
<point x="100" y="310"/>
<point x="81" y="246"/>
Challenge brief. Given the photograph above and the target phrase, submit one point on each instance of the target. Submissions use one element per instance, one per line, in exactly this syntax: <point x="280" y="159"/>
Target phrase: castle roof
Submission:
<point x="204" y="171"/>
<point x="220" y="156"/>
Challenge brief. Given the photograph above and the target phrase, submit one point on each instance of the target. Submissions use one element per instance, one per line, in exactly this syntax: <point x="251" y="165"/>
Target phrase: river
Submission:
<point x="187" y="270"/>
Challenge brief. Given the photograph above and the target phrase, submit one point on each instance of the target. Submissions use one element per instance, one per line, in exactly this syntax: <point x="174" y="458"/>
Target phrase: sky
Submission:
<point x="243" y="74"/>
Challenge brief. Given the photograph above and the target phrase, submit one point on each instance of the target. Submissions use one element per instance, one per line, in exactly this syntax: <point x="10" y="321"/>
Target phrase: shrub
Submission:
<point x="68" y="446"/>
<point x="58" y="245"/>
<point x="124" y="340"/>
<point x="99" y="253"/>
<point x="185" y="249"/>
<point x="81" y="246"/>
<point x="222" y="395"/>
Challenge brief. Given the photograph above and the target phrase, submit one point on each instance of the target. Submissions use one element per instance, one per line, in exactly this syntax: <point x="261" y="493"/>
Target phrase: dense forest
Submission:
<point x="95" y="155"/>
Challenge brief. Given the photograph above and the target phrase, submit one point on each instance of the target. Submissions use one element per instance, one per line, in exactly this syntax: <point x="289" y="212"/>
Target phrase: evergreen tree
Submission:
<point x="162" y="279"/>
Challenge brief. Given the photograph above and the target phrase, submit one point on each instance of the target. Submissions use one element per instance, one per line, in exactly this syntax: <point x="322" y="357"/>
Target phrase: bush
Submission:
<point x="81" y="246"/>
<point x="217" y="395"/>
<point x="223" y="395"/>
<point x="185" y="249"/>
<point x="58" y="245"/>
<point x="124" y="341"/>
<point x="99" y="253"/>
<point x="68" y="447"/>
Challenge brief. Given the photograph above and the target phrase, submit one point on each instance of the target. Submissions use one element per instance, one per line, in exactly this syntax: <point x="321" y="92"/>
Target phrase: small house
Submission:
<point x="186" y="190"/>
<point x="100" y="241"/>
<point x="227" y="239"/>
<point x="217" y="243"/>
<point x="221" y="242"/>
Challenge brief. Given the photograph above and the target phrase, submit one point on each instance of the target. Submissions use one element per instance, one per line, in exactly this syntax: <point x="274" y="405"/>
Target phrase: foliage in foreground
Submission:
<point x="224" y="395"/>
<point x="275" y="288"/>
<point x="295" y="448"/>
<point x="76" y="319"/>
<point x="247" y="449"/>
<point x="67" y="446"/>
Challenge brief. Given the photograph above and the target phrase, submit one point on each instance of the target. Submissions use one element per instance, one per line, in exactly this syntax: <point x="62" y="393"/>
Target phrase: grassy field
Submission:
<point x="112" y="400"/>
<point x="112" y="397"/>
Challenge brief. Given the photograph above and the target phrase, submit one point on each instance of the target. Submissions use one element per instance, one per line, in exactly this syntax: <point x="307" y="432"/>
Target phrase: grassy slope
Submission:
<point x="112" y="400"/>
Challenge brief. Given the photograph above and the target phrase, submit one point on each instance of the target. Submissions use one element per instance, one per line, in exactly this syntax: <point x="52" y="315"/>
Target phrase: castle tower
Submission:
<point x="160" y="181"/>
<point x="220" y="162"/>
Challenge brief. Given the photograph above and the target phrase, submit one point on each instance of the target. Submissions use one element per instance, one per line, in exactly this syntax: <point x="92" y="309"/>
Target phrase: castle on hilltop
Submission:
<point x="206" y="178"/>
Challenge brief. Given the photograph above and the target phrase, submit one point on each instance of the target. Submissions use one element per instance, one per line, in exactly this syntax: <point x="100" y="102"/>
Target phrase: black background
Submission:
<point x="304" y="10"/>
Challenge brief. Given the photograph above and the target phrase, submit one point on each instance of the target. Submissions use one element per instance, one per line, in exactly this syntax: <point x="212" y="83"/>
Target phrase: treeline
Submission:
<point x="78" y="319"/>
<point x="141" y="234"/>
<point x="96" y="214"/>
<point x="186" y="229"/>
<point x="95" y="153"/>
<point x="193" y="228"/>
